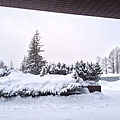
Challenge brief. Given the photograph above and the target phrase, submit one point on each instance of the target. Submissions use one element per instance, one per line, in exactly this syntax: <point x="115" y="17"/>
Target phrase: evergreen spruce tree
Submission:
<point x="2" y="64"/>
<point x="11" y="65"/>
<point x="35" y="61"/>
<point x="98" y="71"/>
<point x="23" y="67"/>
<point x="4" y="71"/>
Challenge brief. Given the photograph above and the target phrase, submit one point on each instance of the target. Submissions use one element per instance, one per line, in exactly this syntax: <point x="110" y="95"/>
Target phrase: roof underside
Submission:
<point x="99" y="8"/>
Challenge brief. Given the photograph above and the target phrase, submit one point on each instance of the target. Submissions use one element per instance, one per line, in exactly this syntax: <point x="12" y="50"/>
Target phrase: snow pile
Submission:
<point x="88" y="82"/>
<point x="111" y="85"/>
<point x="33" y="85"/>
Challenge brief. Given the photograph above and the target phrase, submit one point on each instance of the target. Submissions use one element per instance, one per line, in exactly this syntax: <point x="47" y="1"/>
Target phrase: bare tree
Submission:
<point x="105" y="64"/>
<point x="112" y="61"/>
<point x="98" y="59"/>
<point x="117" y="59"/>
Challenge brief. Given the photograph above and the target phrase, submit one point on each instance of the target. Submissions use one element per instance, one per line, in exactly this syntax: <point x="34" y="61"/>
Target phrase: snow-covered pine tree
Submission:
<point x="4" y="71"/>
<point x="98" y="71"/>
<point x="81" y="70"/>
<point x="23" y="66"/>
<point x="70" y="68"/>
<point x="60" y="69"/>
<point x="58" y="65"/>
<point x="35" y="61"/>
<point x="2" y="64"/>
<point x="87" y="71"/>
<point x="91" y="71"/>
<point x="64" y="69"/>
<point x="11" y="65"/>
<point x="94" y="71"/>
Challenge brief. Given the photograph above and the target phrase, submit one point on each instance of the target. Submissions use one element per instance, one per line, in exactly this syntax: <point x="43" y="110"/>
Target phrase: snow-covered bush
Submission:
<point x="19" y="84"/>
<point x="87" y="71"/>
<point x="4" y="71"/>
<point x="52" y="68"/>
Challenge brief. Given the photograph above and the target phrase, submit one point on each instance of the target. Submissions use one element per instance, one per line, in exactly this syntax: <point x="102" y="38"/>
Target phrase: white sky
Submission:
<point x="66" y="38"/>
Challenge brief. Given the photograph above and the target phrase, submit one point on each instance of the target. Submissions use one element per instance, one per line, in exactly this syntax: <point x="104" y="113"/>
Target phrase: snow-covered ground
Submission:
<point x="92" y="106"/>
<point x="110" y="77"/>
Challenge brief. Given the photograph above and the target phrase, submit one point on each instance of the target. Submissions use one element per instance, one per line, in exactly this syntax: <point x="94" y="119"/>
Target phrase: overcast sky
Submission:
<point x="66" y="38"/>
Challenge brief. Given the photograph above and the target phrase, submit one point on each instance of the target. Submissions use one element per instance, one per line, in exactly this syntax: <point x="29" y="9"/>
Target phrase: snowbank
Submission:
<point x="111" y="85"/>
<point x="33" y="85"/>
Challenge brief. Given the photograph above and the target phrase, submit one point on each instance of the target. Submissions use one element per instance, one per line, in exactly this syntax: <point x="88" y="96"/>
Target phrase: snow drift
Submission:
<point x="33" y="85"/>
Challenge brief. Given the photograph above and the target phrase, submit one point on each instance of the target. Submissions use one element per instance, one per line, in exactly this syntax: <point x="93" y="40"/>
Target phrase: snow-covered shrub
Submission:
<point x="87" y="71"/>
<point x="4" y="71"/>
<point x="52" y="68"/>
<point x="19" y="84"/>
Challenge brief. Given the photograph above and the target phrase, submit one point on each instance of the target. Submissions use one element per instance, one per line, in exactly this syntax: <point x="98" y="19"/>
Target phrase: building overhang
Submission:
<point x="98" y="8"/>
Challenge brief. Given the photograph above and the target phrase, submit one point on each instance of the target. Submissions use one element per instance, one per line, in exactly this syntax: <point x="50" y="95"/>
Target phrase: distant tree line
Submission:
<point x="110" y="63"/>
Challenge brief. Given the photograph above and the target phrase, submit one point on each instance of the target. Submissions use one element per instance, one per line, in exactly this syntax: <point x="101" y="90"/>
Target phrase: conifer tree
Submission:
<point x="2" y="64"/>
<point x="60" y="69"/>
<point x="35" y="61"/>
<point x="11" y="65"/>
<point x="4" y="69"/>
<point x="98" y="71"/>
<point x="23" y="67"/>
<point x="87" y="71"/>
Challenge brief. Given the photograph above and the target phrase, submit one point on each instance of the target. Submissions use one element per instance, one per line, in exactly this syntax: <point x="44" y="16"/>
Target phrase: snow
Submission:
<point x="17" y="81"/>
<point x="85" y="91"/>
<point x="111" y="85"/>
<point x="92" y="106"/>
<point x="110" y="75"/>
